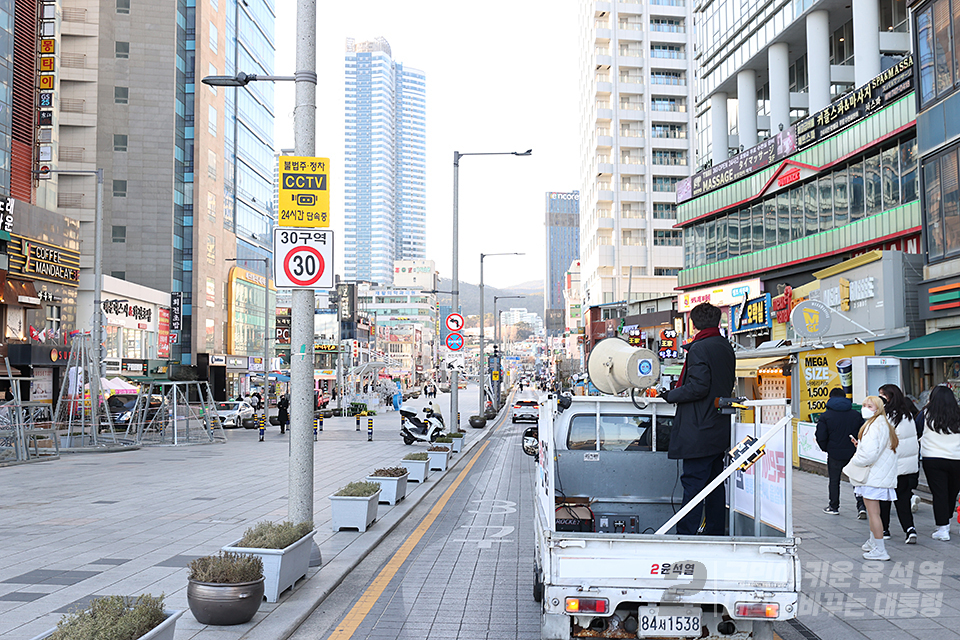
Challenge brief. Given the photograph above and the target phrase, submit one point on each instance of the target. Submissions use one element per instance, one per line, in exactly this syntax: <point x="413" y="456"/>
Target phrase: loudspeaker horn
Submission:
<point x="614" y="366"/>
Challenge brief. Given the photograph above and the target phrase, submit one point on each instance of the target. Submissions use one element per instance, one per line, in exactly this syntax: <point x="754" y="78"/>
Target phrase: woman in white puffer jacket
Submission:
<point x="877" y="451"/>
<point x="901" y="413"/>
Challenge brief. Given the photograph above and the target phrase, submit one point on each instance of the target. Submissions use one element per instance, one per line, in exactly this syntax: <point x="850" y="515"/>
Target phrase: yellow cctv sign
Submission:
<point x="304" y="197"/>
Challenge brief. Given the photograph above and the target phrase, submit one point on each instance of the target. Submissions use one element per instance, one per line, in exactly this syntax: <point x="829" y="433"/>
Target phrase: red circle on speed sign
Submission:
<point x="311" y="279"/>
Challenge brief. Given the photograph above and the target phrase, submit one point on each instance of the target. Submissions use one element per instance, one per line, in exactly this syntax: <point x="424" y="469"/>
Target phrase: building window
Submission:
<point x="119" y="142"/>
<point x="798" y="75"/>
<point x="936" y="50"/>
<point x="119" y="188"/>
<point x="666" y="25"/>
<point x="53" y="319"/>
<point x="667" y="104"/>
<point x="664" y="211"/>
<point x="669" y="157"/>
<point x="121" y="95"/>
<point x="212" y="164"/>
<point x="213" y="37"/>
<point x="666" y="271"/>
<point x="665" y="184"/>
<point x="893" y="15"/>
<point x="667" y="238"/>
<point x="211" y="250"/>
<point x="119" y="234"/>
<point x="667" y="77"/>
<point x="119" y="275"/>
<point x="211" y="207"/>
<point x="841" y="44"/>
<point x="673" y="52"/>
<point x="123" y="6"/>
<point x="942" y="204"/>
<point x="212" y="120"/>
<point x="668" y="131"/>
<point x="123" y="49"/>
<point x="632" y="238"/>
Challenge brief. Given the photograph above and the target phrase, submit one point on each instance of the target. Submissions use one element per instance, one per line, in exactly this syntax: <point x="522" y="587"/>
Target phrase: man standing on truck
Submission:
<point x="701" y="434"/>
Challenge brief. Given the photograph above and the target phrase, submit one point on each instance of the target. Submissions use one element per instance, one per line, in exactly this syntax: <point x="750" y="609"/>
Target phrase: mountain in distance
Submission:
<point x="470" y="297"/>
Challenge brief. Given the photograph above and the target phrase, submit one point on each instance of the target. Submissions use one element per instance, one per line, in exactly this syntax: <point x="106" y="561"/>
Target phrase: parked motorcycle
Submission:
<point x="413" y="429"/>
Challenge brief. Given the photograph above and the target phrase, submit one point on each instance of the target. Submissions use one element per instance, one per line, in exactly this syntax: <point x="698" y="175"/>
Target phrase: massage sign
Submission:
<point x="45" y="262"/>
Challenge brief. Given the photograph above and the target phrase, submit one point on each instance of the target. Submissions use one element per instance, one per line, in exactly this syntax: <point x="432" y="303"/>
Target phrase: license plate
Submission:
<point x="668" y="622"/>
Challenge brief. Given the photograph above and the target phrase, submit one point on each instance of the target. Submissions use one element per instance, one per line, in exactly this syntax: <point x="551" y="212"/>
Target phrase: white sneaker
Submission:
<point x="914" y="504"/>
<point x="876" y="554"/>
<point x="941" y="535"/>
<point x="868" y="545"/>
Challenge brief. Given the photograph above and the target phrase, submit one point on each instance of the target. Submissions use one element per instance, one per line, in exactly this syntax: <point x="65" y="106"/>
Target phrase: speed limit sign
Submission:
<point x="303" y="258"/>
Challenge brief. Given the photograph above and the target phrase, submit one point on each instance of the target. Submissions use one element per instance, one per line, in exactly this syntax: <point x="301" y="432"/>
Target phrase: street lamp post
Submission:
<point x="455" y="272"/>
<point x="483" y="369"/>
<point x="266" y="329"/>
<point x="497" y="331"/>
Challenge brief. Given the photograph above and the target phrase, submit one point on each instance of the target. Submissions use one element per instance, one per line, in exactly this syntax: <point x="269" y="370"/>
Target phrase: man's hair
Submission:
<point x="705" y="316"/>
<point x="837" y="392"/>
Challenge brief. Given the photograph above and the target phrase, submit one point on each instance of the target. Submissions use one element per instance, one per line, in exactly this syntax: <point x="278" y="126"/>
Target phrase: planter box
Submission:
<point x="354" y="513"/>
<point x="438" y="460"/>
<point x="417" y="470"/>
<point x="457" y="445"/>
<point x="281" y="567"/>
<point x="392" y="490"/>
<point x="163" y="631"/>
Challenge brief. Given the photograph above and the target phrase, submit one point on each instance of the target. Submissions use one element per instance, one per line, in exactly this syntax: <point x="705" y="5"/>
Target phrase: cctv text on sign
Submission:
<point x="304" y="199"/>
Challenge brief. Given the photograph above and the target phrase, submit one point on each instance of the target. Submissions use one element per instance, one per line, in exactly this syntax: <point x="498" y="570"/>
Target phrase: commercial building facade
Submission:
<point x="384" y="162"/>
<point x="636" y="141"/>
<point x="563" y="246"/>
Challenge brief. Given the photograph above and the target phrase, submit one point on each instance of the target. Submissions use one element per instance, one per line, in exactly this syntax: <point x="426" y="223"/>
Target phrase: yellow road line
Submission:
<point x="369" y="598"/>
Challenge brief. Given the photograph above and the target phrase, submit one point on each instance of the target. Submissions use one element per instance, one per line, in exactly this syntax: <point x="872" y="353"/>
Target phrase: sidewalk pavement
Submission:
<point x="916" y="594"/>
<point x="129" y="523"/>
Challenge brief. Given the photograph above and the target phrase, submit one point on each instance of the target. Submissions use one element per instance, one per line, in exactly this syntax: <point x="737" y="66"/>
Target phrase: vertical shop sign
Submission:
<point x="163" y="334"/>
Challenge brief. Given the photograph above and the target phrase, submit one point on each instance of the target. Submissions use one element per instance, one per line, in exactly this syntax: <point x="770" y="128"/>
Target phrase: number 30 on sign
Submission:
<point x="303" y="258"/>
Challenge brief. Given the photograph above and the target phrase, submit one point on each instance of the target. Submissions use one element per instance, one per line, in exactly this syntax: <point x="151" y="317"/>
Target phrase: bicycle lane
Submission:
<point x="466" y="571"/>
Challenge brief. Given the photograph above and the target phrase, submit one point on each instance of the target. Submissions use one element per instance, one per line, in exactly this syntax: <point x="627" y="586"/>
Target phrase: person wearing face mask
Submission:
<point x="901" y="413"/>
<point x="940" y="446"/>
<point x="834" y="429"/>
<point x="873" y="471"/>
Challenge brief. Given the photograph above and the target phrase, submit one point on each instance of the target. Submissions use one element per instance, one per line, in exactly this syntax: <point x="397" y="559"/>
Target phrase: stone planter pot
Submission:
<point x="438" y="460"/>
<point x="392" y="490"/>
<point x="478" y="422"/>
<point x="281" y="567"/>
<point x="417" y="470"/>
<point x="224" y="604"/>
<point x="354" y="513"/>
<point x="163" y="631"/>
<point x="456" y="445"/>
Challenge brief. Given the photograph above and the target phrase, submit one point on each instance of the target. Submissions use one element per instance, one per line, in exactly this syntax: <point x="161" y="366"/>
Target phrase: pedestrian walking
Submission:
<point x="700" y="435"/>
<point x="283" y="412"/>
<point x="940" y="448"/>
<point x="901" y="413"/>
<point x="834" y="429"/>
<point x="873" y="471"/>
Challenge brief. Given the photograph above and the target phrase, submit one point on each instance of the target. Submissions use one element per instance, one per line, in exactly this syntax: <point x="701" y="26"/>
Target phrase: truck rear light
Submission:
<point x="516" y="406"/>
<point x="758" y="609"/>
<point x="587" y="605"/>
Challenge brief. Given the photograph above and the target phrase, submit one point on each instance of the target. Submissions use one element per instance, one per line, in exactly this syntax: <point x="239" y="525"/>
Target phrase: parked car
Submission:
<point x="235" y="414"/>
<point x="122" y="405"/>
<point x="526" y="410"/>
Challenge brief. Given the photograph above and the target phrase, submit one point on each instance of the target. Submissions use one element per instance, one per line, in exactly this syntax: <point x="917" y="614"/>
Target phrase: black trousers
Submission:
<point x="697" y="474"/>
<point x="834" y="470"/>
<point x="905" y="486"/>
<point x="943" y="477"/>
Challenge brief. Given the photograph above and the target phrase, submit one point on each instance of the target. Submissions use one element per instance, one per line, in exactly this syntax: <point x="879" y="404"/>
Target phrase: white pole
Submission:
<point x="97" y="308"/>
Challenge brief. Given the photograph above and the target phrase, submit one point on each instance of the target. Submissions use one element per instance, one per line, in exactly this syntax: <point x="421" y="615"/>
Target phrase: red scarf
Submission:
<point x="701" y="335"/>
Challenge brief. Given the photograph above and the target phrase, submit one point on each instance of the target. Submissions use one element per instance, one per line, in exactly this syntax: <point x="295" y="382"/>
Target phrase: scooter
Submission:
<point x="426" y="430"/>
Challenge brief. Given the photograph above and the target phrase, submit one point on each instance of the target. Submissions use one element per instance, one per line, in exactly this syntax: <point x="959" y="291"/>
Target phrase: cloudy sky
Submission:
<point x="501" y="76"/>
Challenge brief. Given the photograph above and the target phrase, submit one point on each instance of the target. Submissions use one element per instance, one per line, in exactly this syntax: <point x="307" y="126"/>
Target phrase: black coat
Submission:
<point x="835" y="427"/>
<point x="283" y="410"/>
<point x="699" y="429"/>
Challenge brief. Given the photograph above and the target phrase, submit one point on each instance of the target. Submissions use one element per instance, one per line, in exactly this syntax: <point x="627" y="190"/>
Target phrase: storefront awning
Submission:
<point x="21" y="293"/>
<point x="747" y="367"/>
<point x="940" y="344"/>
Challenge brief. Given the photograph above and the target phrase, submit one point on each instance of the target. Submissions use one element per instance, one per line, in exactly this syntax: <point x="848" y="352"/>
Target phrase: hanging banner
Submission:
<point x="822" y="370"/>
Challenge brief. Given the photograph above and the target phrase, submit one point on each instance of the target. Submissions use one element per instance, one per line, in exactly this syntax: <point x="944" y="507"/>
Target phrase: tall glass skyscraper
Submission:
<point x="385" y="162"/>
<point x="563" y="244"/>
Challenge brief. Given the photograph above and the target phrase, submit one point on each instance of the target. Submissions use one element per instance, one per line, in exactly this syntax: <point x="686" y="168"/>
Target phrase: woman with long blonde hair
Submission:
<point x="876" y="452"/>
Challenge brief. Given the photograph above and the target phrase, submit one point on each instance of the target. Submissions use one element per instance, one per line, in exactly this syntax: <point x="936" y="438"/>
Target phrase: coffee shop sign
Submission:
<point x="117" y="308"/>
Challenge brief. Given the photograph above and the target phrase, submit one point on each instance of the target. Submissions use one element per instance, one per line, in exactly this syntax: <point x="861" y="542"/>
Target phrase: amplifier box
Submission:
<point x="616" y="523"/>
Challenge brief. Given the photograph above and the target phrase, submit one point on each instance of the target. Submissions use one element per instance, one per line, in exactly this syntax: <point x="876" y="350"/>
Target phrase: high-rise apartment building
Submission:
<point x="563" y="246"/>
<point x="188" y="168"/>
<point x="636" y="145"/>
<point x="384" y="162"/>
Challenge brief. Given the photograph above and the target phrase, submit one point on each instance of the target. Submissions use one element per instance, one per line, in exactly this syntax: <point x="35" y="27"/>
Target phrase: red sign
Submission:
<point x="163" y="331"/>
<point x="668" y="344"/>
<point x="783" y="305"/>
<point x="790" y="176"/>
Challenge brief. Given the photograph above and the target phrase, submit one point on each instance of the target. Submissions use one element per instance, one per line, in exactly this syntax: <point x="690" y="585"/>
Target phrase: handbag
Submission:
<point x="857" y="473"/>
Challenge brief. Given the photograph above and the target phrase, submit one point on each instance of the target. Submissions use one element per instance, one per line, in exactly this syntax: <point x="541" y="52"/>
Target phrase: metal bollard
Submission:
<point x="358" y="422"/>
<point x="458" y="421"/>
<point x="315" y="429"/>
<point x="321" y="422"/>
<point x="369" y="429"/>
<point x="262" y="426"/>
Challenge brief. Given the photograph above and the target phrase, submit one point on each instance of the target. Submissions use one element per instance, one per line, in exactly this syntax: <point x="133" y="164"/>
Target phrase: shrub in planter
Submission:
<point x="439" y="456"/>
<point x="456" y="441"/>
<point x="417" y="466"/>
<point x="226" y="588"/>
<point x="355" y="506"/>
<point x="284" y="548"/>
<point x="393" y="484"/>
<point x="117" y="618"/>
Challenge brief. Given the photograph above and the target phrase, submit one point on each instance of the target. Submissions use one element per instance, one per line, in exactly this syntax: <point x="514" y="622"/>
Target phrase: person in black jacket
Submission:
<point x="701" y="434"/>
<point x="283" y="412"/>
<point x="834" y="429"/>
